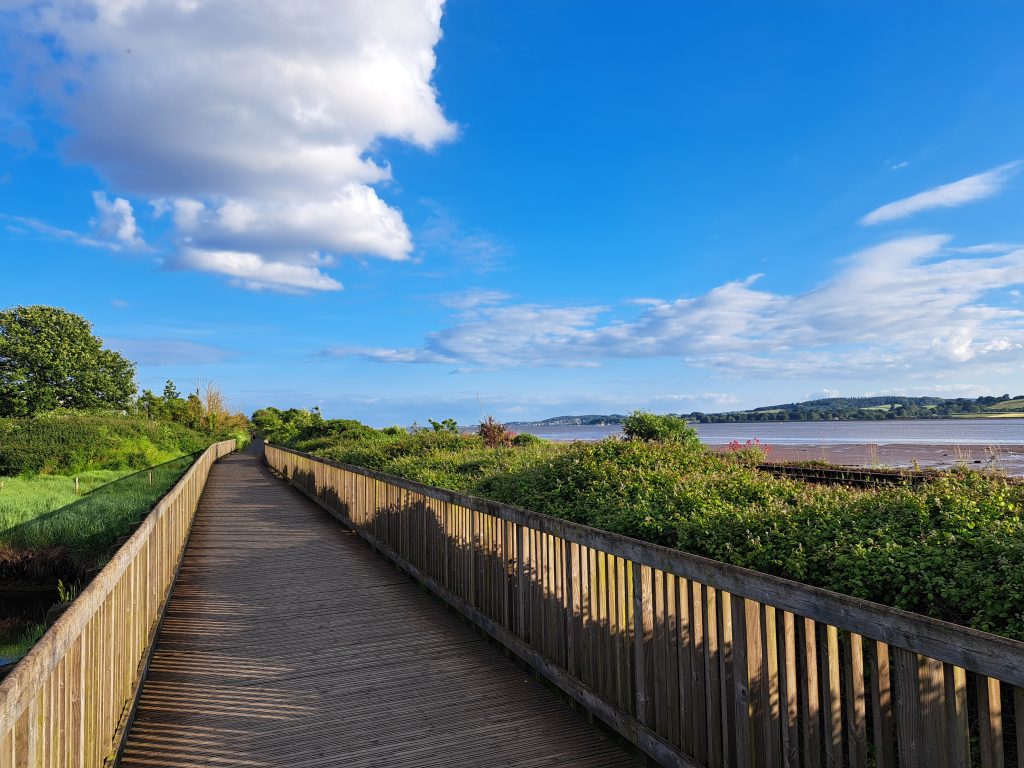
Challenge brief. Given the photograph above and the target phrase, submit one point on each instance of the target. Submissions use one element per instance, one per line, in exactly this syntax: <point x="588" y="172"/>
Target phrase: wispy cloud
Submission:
<point x="113" y="227"/>
<point x="951" y="195"/>
<point x="473" y="298"/>
<point x="444" y="235"/>
<point x="167" y="351"/>
<point x="909" y="305"/>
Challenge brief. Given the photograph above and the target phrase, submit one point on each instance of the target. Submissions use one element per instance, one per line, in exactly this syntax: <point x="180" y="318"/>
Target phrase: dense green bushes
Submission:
<point x="641" y="425"/>
<point x="952" y="548"/>
<point x="68" y="442"/>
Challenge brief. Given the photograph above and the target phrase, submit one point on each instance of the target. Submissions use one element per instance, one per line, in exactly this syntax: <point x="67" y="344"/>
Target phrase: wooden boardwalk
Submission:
<point x="289" y="642"/>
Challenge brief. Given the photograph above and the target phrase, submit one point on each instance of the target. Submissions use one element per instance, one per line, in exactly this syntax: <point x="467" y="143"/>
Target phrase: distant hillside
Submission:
<point x="831" y="409"/>
<point x="571" y="421"/>
<point x="872" y="408"/>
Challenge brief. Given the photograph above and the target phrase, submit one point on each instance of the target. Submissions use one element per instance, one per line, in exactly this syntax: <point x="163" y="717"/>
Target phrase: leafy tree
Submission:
<point x="171" y="392"/>
<point x="448" y="425"/>
<point x="195" y="414"/>
<point x="50" y="359"/>
<point x="279" y="426"/>
<point x="173" y="406"/>
<point x="150" y="405"/>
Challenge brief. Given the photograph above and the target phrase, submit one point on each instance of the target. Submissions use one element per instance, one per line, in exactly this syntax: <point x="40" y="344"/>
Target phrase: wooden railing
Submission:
<point x="696" y="662"/>
<point x="63" y="704"/>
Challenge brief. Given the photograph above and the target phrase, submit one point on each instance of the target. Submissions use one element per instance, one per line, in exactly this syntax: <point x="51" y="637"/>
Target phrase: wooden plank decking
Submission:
<point x="288" y="642"/>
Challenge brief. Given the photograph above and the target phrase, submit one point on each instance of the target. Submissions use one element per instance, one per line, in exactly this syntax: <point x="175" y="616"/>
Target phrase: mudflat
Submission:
<point x="1008" y="458"/>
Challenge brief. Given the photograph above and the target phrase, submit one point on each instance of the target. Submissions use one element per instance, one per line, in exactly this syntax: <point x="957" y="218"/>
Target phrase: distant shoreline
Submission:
<point x="558" y="422"/>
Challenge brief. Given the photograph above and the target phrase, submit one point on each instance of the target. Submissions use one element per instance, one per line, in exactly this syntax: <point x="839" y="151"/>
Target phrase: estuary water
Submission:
<point x="925" y="432"/>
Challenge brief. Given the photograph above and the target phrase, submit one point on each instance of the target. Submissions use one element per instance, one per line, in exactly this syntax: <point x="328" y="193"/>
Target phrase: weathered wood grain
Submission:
<point x="290" y="642"/>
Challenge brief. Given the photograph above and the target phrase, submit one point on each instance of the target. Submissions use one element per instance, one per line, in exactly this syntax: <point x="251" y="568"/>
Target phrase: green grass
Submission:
<point x="16" y="647"/>
<point x="24" y="498"/>
<point x="43" y="513"/>
<point x="1006" y="406"/>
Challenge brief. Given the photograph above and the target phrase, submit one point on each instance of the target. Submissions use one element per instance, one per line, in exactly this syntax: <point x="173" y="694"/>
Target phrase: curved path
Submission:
<point x="289" y="642"/>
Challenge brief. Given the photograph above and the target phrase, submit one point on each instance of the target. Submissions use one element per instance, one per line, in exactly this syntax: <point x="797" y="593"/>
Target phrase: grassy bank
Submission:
<point x="86" y="526"/>
<point x="51" y="531"/>
<point x="28" y="496"/>
<point x="123" y="463"/>
<point x="951" y="548"/>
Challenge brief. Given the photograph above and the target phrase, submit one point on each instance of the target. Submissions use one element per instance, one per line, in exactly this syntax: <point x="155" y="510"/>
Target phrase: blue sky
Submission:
<point x="399" y="211"/>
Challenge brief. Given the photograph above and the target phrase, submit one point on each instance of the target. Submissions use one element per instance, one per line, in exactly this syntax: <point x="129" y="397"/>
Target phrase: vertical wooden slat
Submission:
<point x="587" y="617"/>
<point x="643" y="620"/>
<point x="810" y="708"/>
<point x="726" y="657"/>
<point x="701" y="703"/>
<point x="831" y="699"/>
<point x="684" y="666"/>
<point x="622" y="634"/>
<point x="908" y="707"/>
<point x="990" y="722"/>
<point x="606" y="681"/>
<point x="788" y="690"/>
<point x="520" y="584"/>
<point x="883" y="720"/>
<point x="573" y="614"/>
<point x="742" y="707"/>
<point x="772" y="688"/>
<point x="659" y="645"/>
<point x="1018" y="717"/>
<point x="856" y="710"/>
<point x="957" y="737"/>
<point x="670" y="674"/>
<point x="716" y="703"/>
<point x="935" y="750"/>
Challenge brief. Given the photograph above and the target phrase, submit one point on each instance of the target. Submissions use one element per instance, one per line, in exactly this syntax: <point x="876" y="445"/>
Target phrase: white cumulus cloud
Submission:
<point x="116" y="220"/>
<point x="951" y="195"/>
<point x="252" y="271"/>
<point x="256" y="122"/>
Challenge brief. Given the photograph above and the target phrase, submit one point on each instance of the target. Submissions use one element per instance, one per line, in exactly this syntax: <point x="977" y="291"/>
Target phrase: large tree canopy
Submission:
<point x="50" y="359"/>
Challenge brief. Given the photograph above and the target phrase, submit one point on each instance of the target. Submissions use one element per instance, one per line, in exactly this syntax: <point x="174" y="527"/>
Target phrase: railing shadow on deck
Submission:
<point x="696" y="662"/>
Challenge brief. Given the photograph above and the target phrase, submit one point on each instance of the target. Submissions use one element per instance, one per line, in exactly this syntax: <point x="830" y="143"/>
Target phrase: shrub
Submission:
<point x="641" y="425"/>
<point x="525" y="438"/>
<point x="494" y="433"/>
<point x="63" y="442"/>
<point x="751" y="452"/>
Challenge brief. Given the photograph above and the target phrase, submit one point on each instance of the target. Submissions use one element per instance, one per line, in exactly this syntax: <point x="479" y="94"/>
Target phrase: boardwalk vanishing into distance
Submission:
<point x="289" y="642"/>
